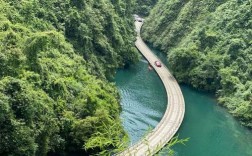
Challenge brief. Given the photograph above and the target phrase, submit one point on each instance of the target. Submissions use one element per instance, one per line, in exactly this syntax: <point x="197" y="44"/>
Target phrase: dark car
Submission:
<point x="139" y="19"/>
<point x="158" y="64"/>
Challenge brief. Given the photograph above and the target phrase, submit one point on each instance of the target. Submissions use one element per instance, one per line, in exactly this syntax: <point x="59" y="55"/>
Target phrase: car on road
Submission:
<point x="158" y="64"/>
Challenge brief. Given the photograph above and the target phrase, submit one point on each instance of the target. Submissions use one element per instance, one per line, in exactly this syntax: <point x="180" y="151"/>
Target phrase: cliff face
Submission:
<point x="55" y="57"/>
<point x="208" y="44"/>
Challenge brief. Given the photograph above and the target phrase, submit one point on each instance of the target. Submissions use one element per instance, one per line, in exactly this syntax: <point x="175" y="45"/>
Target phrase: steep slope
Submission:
<point x="55" y="57"/>
<point x="209" y="46"/>
<point x="143" y="7"/>
<point x="99" y="30"/>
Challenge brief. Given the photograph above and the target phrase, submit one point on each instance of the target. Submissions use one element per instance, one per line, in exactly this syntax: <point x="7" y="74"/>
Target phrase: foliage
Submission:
<point x="55" y="57"/>
<point x="174" y="141"/>
<point x="143" y="7"/>
<point x="209" y="46"/>
<point x="101" y="31"/>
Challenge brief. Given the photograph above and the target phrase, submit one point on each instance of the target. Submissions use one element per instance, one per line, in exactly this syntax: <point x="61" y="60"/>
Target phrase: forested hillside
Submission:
<point x="55" y="57"/>
<point x="209" y="45"/>
<point x="143" y="7"/>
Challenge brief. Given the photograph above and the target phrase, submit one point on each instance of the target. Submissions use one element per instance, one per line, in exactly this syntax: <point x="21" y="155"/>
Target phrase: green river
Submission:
<point x="211" y="129"/>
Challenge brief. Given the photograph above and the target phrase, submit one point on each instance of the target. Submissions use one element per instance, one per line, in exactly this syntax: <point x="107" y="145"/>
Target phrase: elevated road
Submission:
<point x="173" y="117"/>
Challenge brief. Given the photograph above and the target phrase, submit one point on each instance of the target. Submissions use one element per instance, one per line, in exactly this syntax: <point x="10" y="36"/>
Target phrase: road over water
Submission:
<point x="175" y="110"/>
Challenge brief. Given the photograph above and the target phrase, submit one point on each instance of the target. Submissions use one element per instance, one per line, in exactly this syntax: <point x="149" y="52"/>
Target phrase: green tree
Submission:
<point x="208" y="44"/>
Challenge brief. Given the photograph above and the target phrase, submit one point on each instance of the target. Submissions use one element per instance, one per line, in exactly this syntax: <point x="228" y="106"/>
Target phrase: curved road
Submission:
<point x="175" y="110"/>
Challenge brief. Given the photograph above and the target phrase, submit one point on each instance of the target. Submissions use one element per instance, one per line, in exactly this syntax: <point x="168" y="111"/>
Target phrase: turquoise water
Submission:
<point x="212" y="130"/>
<point x="141" y="91"/>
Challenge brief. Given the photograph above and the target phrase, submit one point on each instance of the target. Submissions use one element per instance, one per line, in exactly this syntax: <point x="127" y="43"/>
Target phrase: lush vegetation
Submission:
<point x="143" y="7"/>
<point x="209" y="45"/>
<point x="55" y="57"/>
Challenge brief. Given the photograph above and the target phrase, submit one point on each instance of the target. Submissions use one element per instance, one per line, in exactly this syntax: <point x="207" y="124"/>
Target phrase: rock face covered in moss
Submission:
<point x="55" y="57"/>
<point x="209" y="45"/>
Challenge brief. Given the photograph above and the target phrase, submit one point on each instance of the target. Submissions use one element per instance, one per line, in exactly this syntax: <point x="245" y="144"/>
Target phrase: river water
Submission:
<point x="211" y="129"/>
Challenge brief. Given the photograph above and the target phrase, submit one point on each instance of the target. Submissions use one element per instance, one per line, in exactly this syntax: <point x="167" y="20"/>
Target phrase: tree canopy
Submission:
<point x="209" y="45"/>
<point x="55" y="59"/>
<point x="143" y="7"/>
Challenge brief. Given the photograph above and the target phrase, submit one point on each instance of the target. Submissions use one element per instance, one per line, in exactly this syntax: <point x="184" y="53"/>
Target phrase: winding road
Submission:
<point x="173" y="117"/>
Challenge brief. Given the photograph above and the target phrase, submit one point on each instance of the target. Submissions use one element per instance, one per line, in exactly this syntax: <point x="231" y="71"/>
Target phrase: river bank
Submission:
<point x="212" y="130"/>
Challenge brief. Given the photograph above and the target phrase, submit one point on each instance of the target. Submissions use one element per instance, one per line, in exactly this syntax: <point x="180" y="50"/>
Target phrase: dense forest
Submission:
<point x="55" y="61"/>
<point x="209" y="46"/>
<point x="143" y="7"/>
<point x="57" y="57"/>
